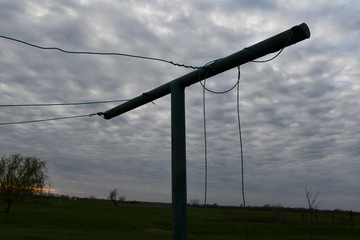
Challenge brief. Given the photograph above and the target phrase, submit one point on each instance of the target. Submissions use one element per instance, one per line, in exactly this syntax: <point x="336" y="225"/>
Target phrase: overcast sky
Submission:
<point x="300" y="113"/>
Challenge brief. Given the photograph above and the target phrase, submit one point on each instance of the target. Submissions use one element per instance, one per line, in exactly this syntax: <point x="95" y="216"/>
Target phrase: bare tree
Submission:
<point x="194" y="202"/>
<point x="312" y="199"/>
<point x="113" y="196"/>
<point x="313" y="203"/>
<point x="21" y="176"/>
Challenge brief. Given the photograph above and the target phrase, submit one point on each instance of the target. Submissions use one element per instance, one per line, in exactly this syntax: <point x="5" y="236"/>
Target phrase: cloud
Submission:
<point x="299" y="112"/>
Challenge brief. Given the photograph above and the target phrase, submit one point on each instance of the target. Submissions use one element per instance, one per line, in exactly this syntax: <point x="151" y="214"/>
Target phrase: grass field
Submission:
<point x="55" y="218"/>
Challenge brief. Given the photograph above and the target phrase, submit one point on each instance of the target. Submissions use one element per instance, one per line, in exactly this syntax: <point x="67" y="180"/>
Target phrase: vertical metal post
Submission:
<point x="178" y="162"/>
<point x="177" y="88"/>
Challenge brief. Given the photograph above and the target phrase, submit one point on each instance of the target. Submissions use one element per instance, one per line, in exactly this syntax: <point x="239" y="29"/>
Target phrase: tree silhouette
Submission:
<point x="113" y="196"/>
<point x="313" y="203"/>
<point x="21" y="176"/>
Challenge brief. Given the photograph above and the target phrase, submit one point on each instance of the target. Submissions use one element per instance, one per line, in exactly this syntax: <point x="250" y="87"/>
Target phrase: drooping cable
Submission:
<point x="241" y="154"/>
<point x="206" y="149"/>
<point x="60" y="104"/>
<point x="205" y="67"/>
<point x="205" y="160"/>
<point x="99" y="53"/>
<point x="217" y="92"/>
<point x="240" y="134"/>
<point x="277" y="54"/>
<point x="270" y="59"/>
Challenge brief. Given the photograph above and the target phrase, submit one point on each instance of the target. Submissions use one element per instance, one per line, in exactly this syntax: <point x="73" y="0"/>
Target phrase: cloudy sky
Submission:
<point x="300" y="113"/>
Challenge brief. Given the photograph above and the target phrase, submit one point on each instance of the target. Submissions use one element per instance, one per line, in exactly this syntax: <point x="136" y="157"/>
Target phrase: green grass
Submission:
<point x="55" y="219"/>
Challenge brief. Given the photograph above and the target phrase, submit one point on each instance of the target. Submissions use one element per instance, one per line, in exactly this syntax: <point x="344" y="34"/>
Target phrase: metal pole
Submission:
<point x="270" y="45"/>
<point x="177" y="89"/>
<point x="178" y="162"/>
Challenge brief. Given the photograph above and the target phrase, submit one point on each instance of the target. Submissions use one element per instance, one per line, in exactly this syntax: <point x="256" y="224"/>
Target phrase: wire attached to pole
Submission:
<point x="206" y="160"/>
<point x="60" y="104"/>
<point x="99" y="53"/>
<point x="52" y="119"/>
<point x="241" y="154"/>
<point x="237" y="84"/>
<point x="277" y="54"/>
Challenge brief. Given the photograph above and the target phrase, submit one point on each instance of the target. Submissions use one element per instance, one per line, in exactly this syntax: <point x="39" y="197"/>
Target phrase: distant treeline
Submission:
<point x="264" y="214"/>
<point x="266" y="207"/>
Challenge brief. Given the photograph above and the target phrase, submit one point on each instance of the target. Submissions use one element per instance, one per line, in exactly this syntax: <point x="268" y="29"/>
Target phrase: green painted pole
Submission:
<point x="270" y="45"/>
<point x="177" y="90"/>
<point x="178" y="162"/>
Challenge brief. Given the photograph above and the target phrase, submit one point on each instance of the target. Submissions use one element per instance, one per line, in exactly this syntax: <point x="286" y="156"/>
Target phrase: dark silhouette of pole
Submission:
<point x="178" y="162"/>
<point x="270" y="45"/>
<point x="177" y="89"/>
